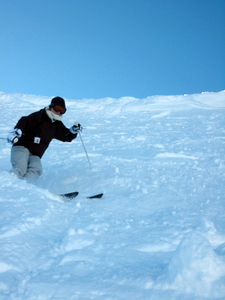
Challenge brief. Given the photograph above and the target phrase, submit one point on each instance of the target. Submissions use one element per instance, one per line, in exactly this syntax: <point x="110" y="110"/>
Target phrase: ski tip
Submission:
<point x="69" y="196"/>
<point x="98" y="196"/>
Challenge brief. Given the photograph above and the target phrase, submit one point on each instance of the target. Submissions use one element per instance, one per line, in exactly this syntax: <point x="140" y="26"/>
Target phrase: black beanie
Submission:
<point x="58" y="101"/>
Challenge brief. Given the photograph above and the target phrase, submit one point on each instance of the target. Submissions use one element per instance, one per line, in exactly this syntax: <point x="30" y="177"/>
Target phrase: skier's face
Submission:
<point x="58" y="110"/>
<point x="55" y="112"/>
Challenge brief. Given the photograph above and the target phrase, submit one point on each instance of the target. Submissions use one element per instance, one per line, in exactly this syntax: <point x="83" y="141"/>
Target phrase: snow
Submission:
<point x="159" y="230"/>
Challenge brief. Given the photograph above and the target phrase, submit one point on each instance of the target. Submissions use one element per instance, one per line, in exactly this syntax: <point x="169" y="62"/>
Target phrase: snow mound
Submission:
<point x="158" y="232"/>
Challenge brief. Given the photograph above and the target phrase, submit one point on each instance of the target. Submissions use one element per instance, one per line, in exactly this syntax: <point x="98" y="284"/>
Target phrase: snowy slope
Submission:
<point x="159" y="230"/>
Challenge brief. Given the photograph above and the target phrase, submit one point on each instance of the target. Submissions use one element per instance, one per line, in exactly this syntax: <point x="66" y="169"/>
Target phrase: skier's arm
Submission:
<point x="65" y="134"/>
<point x="27" y="122"/>
<point x="22" y="126"/>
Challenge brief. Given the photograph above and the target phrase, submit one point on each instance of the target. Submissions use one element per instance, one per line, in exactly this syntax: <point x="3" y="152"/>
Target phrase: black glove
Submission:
<point x="76" y="128"/>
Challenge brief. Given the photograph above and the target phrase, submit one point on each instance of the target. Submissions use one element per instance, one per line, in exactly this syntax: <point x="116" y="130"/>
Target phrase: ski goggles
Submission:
<point x="59" y="109"/>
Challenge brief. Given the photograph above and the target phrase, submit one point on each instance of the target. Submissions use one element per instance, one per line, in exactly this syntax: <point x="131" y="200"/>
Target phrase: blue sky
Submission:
<point x="112" y="48"/>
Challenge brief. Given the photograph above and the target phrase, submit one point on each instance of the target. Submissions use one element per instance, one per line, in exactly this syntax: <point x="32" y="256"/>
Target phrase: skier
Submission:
<point x="32" y="135"/>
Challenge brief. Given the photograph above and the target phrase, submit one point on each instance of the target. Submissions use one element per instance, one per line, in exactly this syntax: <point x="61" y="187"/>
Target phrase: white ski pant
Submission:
<point x="25" y="165"/>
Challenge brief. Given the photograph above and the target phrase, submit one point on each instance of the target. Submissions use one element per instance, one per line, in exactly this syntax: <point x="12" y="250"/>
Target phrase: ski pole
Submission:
<point x="85" y="149"/>
<point x="1" y="138"/>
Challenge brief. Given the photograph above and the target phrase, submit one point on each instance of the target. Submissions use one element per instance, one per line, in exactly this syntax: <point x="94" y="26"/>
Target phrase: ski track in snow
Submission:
<point x="158" y="232"/>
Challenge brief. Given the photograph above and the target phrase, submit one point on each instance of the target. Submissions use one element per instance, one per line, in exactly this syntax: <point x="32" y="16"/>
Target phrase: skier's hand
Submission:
<point x="76" y="128"/>
<point x="14" y="136"/>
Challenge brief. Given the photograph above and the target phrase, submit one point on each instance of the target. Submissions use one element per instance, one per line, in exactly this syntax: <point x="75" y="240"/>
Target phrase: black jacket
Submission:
<point x="38" y="131"/>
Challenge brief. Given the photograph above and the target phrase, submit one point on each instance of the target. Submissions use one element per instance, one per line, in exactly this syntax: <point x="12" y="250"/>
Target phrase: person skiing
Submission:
<point x="32" y="135"/>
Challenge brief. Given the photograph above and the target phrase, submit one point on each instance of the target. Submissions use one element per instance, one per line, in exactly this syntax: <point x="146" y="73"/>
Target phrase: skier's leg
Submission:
<point x="34" y="168"/>
<point x="19" y="160"/>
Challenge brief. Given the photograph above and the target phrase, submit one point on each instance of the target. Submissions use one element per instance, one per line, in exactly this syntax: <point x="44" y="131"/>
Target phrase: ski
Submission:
<point x="69" y="196"/>
<point x="95" y="196"/>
